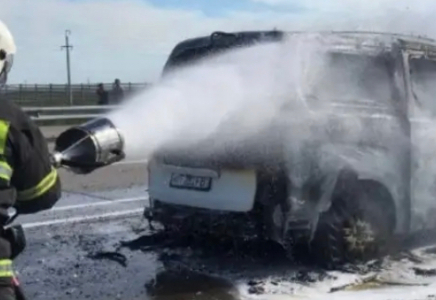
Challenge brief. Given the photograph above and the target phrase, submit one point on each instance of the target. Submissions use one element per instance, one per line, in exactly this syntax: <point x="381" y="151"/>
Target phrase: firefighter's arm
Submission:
<point x="37" y="183"/>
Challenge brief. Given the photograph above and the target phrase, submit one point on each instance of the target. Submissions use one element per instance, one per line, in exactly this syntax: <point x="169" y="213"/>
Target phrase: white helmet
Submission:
<point x="7" y="52"/>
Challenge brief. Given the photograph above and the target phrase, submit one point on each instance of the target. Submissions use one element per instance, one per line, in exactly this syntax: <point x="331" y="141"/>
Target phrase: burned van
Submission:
<point x="361" y="172"/>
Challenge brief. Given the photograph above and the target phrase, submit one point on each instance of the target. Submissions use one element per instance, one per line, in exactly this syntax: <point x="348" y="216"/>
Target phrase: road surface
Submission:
<point x="95" y="245"/>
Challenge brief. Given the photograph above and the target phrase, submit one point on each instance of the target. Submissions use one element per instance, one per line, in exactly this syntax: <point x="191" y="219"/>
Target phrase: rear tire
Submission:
<point x="355" y="228"/>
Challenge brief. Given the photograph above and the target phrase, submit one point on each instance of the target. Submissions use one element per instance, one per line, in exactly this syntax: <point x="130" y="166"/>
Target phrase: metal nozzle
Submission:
<point x="89" y="146"/>
<point x="56" y="159"/>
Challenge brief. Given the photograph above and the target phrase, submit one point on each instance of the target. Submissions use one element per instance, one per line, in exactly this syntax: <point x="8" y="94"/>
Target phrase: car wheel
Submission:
<point x="355" y="228"/>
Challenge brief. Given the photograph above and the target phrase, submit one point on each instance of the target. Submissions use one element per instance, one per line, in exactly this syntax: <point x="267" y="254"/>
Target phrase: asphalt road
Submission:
<point x="66" y="249"/>
<point x="94" y="244"/>
<point x="96" y="208"/>
<point x="66" y="254"/>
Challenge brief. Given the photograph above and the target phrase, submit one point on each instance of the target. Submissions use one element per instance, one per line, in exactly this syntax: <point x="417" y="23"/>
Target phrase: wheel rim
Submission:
<point x="359" y="237"/>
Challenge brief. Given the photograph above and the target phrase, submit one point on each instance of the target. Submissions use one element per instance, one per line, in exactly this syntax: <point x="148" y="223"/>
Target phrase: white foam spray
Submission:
<point x="246" y="88"/>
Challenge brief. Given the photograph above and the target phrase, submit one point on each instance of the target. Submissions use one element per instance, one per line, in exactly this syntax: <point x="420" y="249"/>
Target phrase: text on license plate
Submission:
<point x="185" y="181"/>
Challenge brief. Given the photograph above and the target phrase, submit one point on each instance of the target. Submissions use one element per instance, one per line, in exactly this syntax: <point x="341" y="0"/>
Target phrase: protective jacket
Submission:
<point x="28" y="182"/>
<point x="25" y="162"/>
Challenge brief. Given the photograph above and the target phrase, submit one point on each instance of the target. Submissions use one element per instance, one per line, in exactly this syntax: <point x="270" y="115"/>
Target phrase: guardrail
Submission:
<point x="59" y="113"/>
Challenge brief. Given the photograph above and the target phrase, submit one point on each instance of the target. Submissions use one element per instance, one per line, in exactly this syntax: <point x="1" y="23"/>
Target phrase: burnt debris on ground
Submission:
<point x="253" y="260"/>
<point x="109" y="255"/>
<point x="207" y="245"/>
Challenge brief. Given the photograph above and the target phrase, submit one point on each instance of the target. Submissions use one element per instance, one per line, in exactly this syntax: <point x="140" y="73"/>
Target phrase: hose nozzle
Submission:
<point x="89" y="146"/>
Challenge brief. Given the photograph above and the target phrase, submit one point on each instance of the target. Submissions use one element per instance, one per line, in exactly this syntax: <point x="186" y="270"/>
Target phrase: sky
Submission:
<point x="131" y="39"/>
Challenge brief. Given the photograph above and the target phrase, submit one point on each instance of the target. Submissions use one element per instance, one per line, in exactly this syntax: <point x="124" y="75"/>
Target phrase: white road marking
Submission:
<point x="91" y="204"/>
<point x="84" y="218"/>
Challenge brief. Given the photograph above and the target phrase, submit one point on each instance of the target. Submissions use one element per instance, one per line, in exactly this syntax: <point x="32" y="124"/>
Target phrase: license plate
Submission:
<point x="185" y="181"/>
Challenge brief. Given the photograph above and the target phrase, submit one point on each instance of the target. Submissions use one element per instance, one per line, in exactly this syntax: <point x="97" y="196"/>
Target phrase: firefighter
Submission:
<point x="28" y="182"/>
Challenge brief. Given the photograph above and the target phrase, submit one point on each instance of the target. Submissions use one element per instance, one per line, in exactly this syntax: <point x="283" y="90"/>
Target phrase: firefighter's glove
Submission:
<point x="17" y="239"/>
<point x="12" y="239"/>
<point x="5" y="248"/>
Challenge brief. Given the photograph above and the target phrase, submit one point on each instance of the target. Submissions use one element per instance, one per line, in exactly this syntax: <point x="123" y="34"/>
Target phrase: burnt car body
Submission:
<point x="340" y="196"/>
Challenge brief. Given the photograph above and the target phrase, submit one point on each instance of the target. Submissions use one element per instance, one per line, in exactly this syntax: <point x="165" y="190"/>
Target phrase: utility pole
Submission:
<point x="68" y="47"/>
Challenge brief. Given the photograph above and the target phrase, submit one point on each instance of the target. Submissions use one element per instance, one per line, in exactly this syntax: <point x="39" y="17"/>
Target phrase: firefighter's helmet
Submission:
<point x="7" y="52"/>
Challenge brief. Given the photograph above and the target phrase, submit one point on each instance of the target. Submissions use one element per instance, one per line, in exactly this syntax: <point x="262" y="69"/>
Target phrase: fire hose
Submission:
<point x="81" y="149"/>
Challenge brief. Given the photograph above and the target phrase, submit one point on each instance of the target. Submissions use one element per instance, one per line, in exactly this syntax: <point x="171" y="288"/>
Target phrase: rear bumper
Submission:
<point x="202" y="220"/>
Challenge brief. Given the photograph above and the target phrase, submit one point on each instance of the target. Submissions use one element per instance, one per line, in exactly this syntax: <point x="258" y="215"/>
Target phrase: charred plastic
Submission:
<point x="92" y="145"/>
